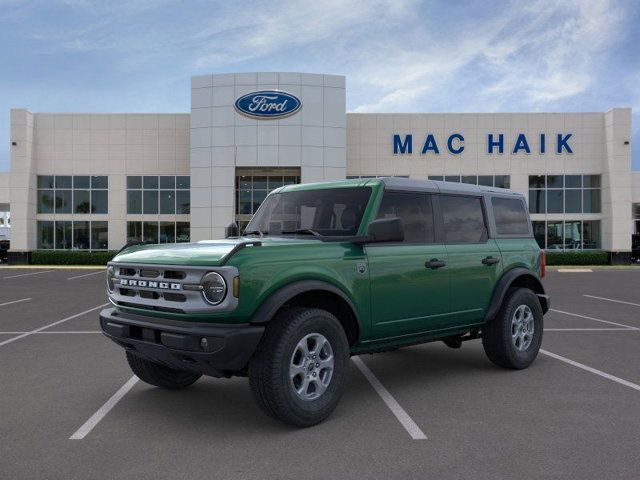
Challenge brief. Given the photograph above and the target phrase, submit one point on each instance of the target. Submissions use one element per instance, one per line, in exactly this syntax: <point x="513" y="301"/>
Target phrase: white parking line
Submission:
<point x="612" y="300"/>
<point x="86" y="428"/>
<point x="38" y="330"/>
<point x="15" y="301"/>
<point x="594" y="319"/>
<point x="575" y="270"/>
<point x="49" y="333"/>
<point x="608" y="376"/>
<point x="27" y="274"/>
<point x="85" y="275"/>
<point x="403" y="417"/>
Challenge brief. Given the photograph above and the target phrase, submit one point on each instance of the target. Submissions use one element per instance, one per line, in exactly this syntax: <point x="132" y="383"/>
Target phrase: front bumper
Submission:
<point x="216" y="350"/>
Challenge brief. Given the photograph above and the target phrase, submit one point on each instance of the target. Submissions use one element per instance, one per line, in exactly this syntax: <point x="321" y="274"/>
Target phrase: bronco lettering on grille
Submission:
<point x="128" y="282"/>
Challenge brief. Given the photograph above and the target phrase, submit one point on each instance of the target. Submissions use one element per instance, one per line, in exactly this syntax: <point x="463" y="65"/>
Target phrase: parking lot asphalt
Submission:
<point x="575" y="413"/>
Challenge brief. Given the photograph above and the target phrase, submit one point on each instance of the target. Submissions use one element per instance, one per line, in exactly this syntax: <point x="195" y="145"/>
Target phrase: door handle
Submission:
<point x="490" y="260"/>
<point x="435" y="263"/>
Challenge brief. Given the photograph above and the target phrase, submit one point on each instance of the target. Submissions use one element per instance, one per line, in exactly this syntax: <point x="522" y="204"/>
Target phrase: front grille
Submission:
<point x="161" y="288"/>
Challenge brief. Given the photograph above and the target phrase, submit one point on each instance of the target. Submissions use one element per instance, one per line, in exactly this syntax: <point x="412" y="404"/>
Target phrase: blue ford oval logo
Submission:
<point x="268" y="104"/>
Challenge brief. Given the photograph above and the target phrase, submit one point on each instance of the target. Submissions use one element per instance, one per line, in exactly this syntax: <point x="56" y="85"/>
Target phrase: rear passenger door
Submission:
<point x="474" y="262"/>
<point x="409" y="280"/>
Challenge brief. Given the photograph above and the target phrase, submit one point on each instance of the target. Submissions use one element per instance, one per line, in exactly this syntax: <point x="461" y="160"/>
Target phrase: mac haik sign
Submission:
<point x="495" y="143"/>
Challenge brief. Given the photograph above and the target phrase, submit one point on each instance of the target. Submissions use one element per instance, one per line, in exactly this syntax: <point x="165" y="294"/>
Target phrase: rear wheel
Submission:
<point x="513" y="338"/>
<point x="299" y="370"/>
<point x="159" y="375"/>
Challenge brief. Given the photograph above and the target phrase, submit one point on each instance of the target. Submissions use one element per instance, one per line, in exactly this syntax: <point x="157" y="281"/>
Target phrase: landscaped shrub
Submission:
<point x="595" y="257"/>
<point x="74" y="257"/>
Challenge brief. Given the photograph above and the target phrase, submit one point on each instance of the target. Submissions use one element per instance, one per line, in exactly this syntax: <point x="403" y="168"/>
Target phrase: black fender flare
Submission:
<point x="507" y="280"/>
<point x="277" y="299"/>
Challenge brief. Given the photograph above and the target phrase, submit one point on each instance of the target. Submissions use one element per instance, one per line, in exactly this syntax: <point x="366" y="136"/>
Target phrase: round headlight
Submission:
<point x="214" y="288"/>
<point x="111" y="273"/>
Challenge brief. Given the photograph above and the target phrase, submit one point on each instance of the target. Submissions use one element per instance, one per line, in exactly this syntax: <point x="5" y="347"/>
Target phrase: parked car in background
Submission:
<point x="4" y="249"/>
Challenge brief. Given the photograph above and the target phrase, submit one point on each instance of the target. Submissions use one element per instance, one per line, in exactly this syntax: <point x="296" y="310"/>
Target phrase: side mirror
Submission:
<point x="385" y="230"/>
<point x="231" y="230"/>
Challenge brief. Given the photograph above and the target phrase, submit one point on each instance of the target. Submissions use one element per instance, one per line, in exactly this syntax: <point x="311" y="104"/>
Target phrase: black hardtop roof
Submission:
<point x="434" y="186"/>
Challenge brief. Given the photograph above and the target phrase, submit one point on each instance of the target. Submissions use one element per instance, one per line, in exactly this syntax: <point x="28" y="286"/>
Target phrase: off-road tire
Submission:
<point x="497" y="335"/>
<point x="159" y="375"/>
<point x="269" y="377"/>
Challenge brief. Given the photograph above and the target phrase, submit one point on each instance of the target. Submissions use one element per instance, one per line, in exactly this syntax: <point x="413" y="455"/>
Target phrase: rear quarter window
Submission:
<point x="511" y="216"/>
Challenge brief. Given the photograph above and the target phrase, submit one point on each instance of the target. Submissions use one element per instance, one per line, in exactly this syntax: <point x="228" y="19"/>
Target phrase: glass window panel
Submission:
<point x="150" y="232"/>
<point x="572" y="235"/>
<point x="503" y="181"/>
<point x="537" y="181"/>
<point x="45" y="235"/>
<point x="275" y="182"/>
<point x="183" y="201"/>
<point x="150" y="202"/>
<point x="101" y="182"/>
<point x="554" y="235"/>
<point x="437" y="178"/>
<point x="81" y="202"/>
<point x="64" y="235"/>
<point x="99" y="201"/>
<point x="452" y="178"/>
<point x="415" y="212"/>
<point x="259" y="183"/>
<point x="167" y="183"/>
<point x="81" y="236"/>
<point x="573" y="181"/>
<point x="150" y="182"/>
<point x="463" y="219"/>
<point x="485" y="180"/>
<point x="244" y="182"/>
<point x="183" y="181"/>
<point x="258" y="198"/>
<point x="45" y="201"/>
<point x="537" y="201"/>
<point x="289" y="180"/>
<point x="591" y="201"/>
<point x="99" y="235"/>
<point x="167" y="232"/>
<point x="555" y="201"/>
<point x="63" y="181"/>
<point x="538" y="233"/>
<point x="591" y="234"/>
<point x="63" y="201"/>
<point x="45" y="181"/>
<point x="81" y="181"/>
<point x="591" y="181"/>
<point x="134" y="232"/>
<point x="183" y="232"/>
<point x="555" y="181"/>
<point x="167" y="201"/>
<point x="134" y="182"/>
<point x="472" y="179"/>
<point x="510" y="216"/>
<point x="244" y="202"/>
<point x="573" y="201"/>
<point x="134" y="202"/>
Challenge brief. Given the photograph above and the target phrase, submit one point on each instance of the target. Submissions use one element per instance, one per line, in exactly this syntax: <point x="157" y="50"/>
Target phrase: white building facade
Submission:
<point x="97" y="181"/>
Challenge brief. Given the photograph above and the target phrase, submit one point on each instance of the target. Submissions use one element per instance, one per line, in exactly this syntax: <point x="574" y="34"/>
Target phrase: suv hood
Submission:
<point x="203" y="253"/>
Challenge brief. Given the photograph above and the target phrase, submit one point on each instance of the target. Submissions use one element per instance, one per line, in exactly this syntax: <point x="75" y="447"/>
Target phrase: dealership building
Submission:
<point x="94" y="181"/>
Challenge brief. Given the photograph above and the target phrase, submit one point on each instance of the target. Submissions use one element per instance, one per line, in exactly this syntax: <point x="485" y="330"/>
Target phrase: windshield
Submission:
<point x="326" y="212"/>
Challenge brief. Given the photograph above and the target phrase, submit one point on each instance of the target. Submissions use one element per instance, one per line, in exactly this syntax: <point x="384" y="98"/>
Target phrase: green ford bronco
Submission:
<point x="328" y="270"/>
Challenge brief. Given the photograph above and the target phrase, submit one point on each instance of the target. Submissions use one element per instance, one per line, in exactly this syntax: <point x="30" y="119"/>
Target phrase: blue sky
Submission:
<point x="398" y="55"/>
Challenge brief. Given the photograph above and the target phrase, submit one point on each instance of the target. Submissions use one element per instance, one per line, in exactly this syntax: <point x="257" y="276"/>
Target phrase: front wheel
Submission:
<point x="513" y="338"/>
<point x="299" y="370"/>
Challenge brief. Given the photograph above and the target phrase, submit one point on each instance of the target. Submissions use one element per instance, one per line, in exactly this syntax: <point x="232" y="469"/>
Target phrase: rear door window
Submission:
<point x="414" y="209"/>
<point x="510" y="216"/>
<point x="463" y="219"/>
